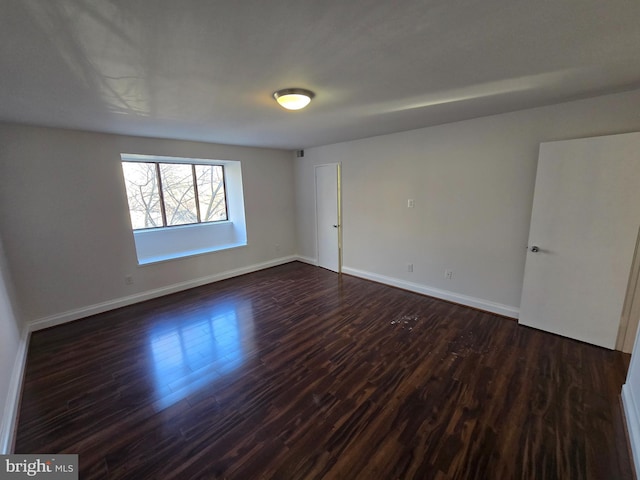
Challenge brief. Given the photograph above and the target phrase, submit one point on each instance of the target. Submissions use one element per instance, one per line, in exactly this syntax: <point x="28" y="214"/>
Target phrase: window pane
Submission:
<point x="210" y="179"/>
<point x="142" y="194"/>
<point x="179" y="194"/>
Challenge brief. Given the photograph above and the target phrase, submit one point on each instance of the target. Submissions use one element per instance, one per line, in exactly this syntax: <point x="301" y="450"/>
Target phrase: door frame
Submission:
<point x="631" y="310"/>
<point x="338" y="166"/>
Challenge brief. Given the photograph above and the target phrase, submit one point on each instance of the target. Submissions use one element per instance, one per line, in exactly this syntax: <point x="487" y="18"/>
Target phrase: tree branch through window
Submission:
<point x="183" y="193"/>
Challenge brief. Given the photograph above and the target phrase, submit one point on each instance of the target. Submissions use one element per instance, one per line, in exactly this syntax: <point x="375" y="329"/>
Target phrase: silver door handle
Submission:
<point x="535" y="249"/>
<point x="336" y="226"/>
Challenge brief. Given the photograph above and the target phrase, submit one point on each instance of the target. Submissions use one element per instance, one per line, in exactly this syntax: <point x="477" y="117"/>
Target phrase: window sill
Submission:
<point x="189" y="226"/>
<point x="189" y="253"/>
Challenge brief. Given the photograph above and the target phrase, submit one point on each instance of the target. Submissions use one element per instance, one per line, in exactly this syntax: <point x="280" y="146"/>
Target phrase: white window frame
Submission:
<point x="161" y="244"/>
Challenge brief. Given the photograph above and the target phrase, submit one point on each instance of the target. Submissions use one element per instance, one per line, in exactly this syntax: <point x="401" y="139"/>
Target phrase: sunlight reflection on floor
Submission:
<point x="196" y="351"/>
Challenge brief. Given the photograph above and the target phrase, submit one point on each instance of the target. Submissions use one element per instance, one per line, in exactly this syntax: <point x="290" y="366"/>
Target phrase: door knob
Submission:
<point x="335" y="226"/>
<point x="535" y="249"/>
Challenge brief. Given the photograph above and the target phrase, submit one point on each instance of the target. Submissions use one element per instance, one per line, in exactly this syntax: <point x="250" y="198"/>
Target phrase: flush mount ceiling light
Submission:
<point x="293" y="98"/>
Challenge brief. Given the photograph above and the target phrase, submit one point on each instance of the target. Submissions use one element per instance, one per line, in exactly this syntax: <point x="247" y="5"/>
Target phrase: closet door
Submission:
<point x="328" y="215"/>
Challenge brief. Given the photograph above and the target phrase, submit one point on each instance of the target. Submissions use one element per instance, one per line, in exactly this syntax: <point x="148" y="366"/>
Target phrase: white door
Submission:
<point x="584" y="225"/>
<point x="328" y="216"/>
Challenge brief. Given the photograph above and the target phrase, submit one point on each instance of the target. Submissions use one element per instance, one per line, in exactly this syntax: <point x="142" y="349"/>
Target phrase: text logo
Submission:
<point x="41" y="466"/>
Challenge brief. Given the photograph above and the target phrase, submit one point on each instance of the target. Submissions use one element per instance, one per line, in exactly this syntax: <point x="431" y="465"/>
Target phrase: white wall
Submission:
<point x="11" y="356"/>
<point x="472" y="183"/>
<point x="66" y="228"/>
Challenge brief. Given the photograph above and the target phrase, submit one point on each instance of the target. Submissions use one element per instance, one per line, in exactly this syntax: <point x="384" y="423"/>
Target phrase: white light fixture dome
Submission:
<point x="293" y="98"/>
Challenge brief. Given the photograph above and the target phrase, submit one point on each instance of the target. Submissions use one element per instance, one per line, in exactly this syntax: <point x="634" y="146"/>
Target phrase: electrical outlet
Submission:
<point x="409" y="267"/>
<point x="411" y="203"/>
<point x="128" y="280"/>
<point x="448" y="274"/>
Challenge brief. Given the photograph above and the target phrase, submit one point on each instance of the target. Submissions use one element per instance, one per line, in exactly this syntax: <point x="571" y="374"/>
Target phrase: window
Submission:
<point x="170" y="194"/>
<point x="181" y="207"/>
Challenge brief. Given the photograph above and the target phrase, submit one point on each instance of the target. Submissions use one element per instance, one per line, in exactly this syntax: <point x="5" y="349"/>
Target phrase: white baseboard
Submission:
<point x="10" y="414"/>
<point x="493" y="307"/>
<point x="71" y="315"/>
<point x="309" y="260"/>
<point x="632" y="418"/>
<point x="82" y="312"/>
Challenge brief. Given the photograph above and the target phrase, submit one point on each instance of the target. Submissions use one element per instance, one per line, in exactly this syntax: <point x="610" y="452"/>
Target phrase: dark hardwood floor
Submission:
<point x="295" y="372"/>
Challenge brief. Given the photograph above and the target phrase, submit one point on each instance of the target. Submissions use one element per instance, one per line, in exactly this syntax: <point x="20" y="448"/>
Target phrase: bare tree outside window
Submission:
<point x="143" y="194"/>
<point x="210" y="181"/>
<point x="179" y="193"/>
<point x="169" y="194"/>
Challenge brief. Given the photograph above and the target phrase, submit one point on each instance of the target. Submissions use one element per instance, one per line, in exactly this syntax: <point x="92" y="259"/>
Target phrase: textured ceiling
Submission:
<point x="206" y="69"/>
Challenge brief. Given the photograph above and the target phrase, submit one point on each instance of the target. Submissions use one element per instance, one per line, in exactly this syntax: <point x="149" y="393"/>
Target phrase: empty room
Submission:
<point x="319" y="239"/>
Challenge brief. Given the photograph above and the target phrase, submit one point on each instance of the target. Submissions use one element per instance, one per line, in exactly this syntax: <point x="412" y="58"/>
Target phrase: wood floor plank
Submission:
<point x="298" y="373"/>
